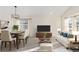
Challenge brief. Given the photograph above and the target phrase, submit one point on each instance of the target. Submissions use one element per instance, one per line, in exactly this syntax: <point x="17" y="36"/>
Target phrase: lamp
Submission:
<point x="58" y="29"/>
<point x="75" y="33"/>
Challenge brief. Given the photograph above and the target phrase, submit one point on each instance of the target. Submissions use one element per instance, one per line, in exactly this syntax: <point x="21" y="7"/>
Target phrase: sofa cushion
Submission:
<point x="48" y="35"/>
<point x="61" y="33"/>
<point x="40" y="35"/>
<point x="63" y="40"/>
<point x="70" y="36"/>
<point x="65" y="34"/>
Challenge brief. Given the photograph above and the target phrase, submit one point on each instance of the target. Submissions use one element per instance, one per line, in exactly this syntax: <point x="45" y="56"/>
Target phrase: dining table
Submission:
<point x="16" y="35"/>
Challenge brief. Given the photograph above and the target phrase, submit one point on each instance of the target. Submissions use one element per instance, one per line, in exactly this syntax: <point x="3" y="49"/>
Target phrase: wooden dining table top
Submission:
<point x="17" y="32"/>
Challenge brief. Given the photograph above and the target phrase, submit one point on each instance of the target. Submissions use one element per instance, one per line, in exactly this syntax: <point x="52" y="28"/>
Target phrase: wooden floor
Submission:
<point x="32" y="43"/>
<point x="33" y="46"/>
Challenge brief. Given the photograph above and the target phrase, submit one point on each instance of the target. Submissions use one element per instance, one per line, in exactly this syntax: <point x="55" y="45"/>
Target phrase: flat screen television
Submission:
<point x="43" y="28"/>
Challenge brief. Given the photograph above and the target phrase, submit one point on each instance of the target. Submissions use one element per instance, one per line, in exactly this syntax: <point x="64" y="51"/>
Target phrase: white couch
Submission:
<point x="63" y="40"/>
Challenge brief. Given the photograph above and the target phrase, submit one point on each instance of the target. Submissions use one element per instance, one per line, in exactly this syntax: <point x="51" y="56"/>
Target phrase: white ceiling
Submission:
<point x="43" y="10"/>
<point x="6" y="11"/>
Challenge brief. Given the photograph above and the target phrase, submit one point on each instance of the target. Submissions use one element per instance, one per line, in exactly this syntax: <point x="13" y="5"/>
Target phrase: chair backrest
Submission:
<point x="48" y="35"/>
<point x="26" y="34"/>
<point x="43" y="35"/>
<point x="5" y="35"/>
<point x="39" y="35"/>
<point x="0" y="26"/>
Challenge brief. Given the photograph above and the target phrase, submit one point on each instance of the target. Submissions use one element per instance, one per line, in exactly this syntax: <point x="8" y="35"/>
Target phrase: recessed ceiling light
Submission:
<point x="50" y="13"/>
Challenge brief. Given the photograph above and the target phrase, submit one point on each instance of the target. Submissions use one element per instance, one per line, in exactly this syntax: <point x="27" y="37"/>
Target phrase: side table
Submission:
<point x="74" y="45"/>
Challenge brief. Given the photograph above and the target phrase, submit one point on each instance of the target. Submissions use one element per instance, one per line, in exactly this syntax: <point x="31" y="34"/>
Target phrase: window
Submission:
<point x="68" y="24"/>
<point x="72" y="23"/>
<point x="77" y="23"/>
<point x="23" y="24"/>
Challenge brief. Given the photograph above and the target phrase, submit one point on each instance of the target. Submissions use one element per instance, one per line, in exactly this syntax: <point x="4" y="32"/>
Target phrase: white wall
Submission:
<point x="54" y="21"/>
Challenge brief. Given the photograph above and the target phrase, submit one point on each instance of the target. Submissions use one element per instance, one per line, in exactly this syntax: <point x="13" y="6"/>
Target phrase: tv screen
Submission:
<point x="43" y="28"/>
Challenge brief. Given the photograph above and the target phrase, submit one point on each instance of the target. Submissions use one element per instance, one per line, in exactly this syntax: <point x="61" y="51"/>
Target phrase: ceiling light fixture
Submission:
<point x="15" y="15"/>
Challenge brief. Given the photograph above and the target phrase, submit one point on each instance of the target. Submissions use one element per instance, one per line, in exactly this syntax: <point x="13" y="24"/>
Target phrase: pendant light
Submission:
<point x="15" y="15"/>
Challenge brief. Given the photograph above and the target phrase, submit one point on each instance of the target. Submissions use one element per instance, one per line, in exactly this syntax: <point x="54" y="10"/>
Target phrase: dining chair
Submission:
<point x="6" y="38"/>
<point x="0" y="30"/>
<point x="23" y="37"/>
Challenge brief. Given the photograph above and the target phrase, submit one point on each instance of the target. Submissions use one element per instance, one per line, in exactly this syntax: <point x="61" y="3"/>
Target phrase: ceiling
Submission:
<point x="43" y="10"/>
<point x="6" y="11"/>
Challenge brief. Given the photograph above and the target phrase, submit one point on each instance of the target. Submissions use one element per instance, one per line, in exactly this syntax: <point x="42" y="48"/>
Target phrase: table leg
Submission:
<point x="17" y="43"/>
<point x="75" y="38"/>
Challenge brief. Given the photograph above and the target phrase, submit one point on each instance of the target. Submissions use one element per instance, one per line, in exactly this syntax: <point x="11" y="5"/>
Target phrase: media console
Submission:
<point x="44" y="33"/>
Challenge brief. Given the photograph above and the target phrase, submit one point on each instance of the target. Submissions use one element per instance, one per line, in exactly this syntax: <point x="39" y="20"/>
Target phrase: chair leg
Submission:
<point x="1" y="45"/>
<point x="14" y="43"/>
<point x="19" y="41"/>
<point x="26" y="41"/>
<point x="10" y="45"/>
<point x="23" y="42"/>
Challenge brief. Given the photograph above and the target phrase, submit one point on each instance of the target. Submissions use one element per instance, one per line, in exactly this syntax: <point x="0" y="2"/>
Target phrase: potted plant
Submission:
<point x="15" y="27"/>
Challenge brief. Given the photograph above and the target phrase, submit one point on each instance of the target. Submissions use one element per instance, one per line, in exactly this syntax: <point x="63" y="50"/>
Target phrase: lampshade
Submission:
<point x="75" y="32"/>
<point x="58" y="29"/>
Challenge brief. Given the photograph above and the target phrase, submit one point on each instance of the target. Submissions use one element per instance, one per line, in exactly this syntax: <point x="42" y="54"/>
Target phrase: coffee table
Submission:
<point x="46" y="47"/>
